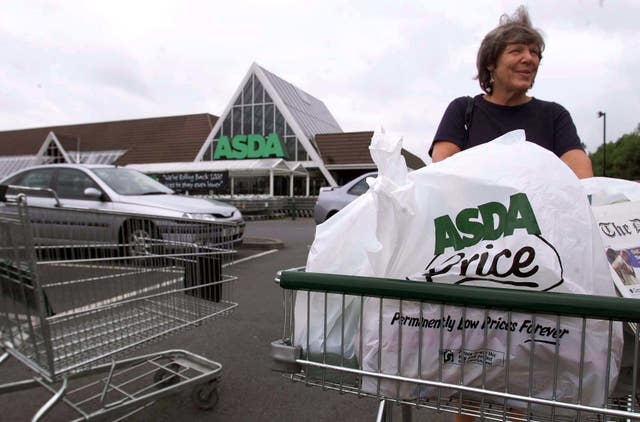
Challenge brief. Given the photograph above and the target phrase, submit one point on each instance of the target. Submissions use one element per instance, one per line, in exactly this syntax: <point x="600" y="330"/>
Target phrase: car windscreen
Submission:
<point x="130" y="182"/>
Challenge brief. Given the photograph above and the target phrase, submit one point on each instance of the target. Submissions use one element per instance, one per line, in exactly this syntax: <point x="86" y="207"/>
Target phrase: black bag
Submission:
<point x="204" y="270"/>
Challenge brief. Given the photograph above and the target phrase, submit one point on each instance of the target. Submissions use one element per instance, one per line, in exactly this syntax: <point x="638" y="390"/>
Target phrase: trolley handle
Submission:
<point x="4" y="189"/>
<point x="551" y="303"/>
<point x="279" y="273"/>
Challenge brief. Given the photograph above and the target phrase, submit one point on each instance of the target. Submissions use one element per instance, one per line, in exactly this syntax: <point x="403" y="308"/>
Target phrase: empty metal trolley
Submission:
<point x="72" y="303"/>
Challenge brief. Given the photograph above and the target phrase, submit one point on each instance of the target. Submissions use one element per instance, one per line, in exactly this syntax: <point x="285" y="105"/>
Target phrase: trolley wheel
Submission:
<point x="205" y="396"/>
<point x="164" y="378"/>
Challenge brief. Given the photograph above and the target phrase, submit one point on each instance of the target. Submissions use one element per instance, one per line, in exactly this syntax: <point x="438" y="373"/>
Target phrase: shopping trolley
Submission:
<point x="389" y="340"/>
<point x="80" y="288"/>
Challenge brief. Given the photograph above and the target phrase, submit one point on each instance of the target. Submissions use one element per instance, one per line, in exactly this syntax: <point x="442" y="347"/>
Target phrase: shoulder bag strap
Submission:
<point x="468" y="114"/>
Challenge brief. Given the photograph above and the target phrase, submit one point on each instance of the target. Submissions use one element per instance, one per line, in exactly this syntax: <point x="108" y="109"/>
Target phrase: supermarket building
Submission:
<point x="273" y="139"/>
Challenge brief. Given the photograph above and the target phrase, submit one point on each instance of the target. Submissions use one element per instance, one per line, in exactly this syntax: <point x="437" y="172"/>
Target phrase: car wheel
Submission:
<point x="139" y="238"/>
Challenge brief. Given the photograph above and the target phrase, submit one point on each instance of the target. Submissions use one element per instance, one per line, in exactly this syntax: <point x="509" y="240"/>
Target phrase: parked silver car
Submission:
<point x="105" y="192"/>
<point x="331" y="200"/>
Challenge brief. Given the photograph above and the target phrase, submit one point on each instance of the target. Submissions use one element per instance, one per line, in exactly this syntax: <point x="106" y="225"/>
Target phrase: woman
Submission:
<point x="507" y="64"/>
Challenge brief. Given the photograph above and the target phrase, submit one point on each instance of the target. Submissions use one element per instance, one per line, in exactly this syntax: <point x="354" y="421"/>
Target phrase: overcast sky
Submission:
<point x="394" y="64"/>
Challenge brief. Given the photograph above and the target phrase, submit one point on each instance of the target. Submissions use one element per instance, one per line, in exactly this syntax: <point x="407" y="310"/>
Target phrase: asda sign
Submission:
<point x="248" y="146"/>
<point x="473" y="225"/>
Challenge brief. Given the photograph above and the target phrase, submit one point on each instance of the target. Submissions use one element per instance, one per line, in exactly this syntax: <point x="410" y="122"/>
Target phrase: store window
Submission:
<point x="247" y="120"/>
<point x="247" y="92"/>
<point x="268" y="118"/>
<point x="279" y="124"/>
<point x="236" y="115"/>
<point x="289" y="148"/>
<point x="300" y="186"/>
<point x="53" y="155"/>
<point x="281" y="186"/>
<point x="226" y="126"/>
<point x="258" y="91"/>
<point x="258" y="119"/>
<point x="302" y="153"/>
<point x="251" y="185"/>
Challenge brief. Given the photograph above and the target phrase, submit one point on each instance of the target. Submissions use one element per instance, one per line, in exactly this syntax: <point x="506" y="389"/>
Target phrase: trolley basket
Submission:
<point x="495" y="354"/>
<point x="81" y="289"/>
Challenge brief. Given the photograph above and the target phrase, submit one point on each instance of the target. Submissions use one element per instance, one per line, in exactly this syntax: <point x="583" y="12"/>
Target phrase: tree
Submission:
<point x="623" y="158"/>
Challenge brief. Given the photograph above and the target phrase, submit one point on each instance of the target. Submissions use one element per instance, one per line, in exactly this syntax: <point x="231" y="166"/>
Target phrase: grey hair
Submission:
<point x="515" y="29"/>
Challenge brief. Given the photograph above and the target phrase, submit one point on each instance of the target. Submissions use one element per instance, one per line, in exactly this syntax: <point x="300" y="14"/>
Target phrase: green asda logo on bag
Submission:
<point x="248" y="146"/>
<point x="486" y="222"/>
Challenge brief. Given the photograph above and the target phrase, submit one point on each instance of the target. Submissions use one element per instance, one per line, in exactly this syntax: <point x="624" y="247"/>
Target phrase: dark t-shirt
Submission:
<point x="545" y="123"/>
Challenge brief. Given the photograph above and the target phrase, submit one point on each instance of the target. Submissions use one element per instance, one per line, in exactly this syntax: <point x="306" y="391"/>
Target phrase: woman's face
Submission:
<point x="516" y="68"/>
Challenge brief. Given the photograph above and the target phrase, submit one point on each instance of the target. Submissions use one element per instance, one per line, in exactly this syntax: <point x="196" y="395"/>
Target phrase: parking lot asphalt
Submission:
<point x="249" y="389"/>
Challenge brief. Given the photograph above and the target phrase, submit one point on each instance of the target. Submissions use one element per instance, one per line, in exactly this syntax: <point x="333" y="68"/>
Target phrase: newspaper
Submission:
<point x="619" y="226"/>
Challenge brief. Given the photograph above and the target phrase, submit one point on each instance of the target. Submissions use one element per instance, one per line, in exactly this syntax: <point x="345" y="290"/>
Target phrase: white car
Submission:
<point x="127" y="199"/>
<point x="331" y="200"/>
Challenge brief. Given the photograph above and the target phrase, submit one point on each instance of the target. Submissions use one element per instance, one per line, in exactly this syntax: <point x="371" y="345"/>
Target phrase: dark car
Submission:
<point x="331" y="200"/>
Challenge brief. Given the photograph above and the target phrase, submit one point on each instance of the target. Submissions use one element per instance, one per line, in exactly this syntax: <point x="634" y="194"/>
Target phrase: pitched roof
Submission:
<point x="350" y="148"/>
<point x="345" y="148"/>
<point x="308" y="111"/>
<point x="151" y="140"/>
<point x="413" y="161"/>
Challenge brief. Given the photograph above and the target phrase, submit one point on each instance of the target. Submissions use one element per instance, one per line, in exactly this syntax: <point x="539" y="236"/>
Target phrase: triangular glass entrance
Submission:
<point x="269" y="117"/>
<point x="255" y="113"/>
<point x="51" y="152"/>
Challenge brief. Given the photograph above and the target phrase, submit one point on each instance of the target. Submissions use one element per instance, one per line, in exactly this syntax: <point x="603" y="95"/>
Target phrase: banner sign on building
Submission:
<point x="202" y="182"/>
<point x="619" y="226"/>
<point x="248" y="146"/>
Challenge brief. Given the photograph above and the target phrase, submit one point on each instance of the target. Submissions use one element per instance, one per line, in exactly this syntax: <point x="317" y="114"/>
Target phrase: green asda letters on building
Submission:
<point x="248" y="146"/>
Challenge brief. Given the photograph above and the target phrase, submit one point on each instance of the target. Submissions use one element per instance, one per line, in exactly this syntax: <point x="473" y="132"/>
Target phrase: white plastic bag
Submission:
<point x="343" y="245"/>
<point x="504" y="214"/>
<point x="608" y="190"/>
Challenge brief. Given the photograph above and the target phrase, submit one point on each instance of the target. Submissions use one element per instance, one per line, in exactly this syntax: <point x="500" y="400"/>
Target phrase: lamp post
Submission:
<point x="604" y="140"/>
